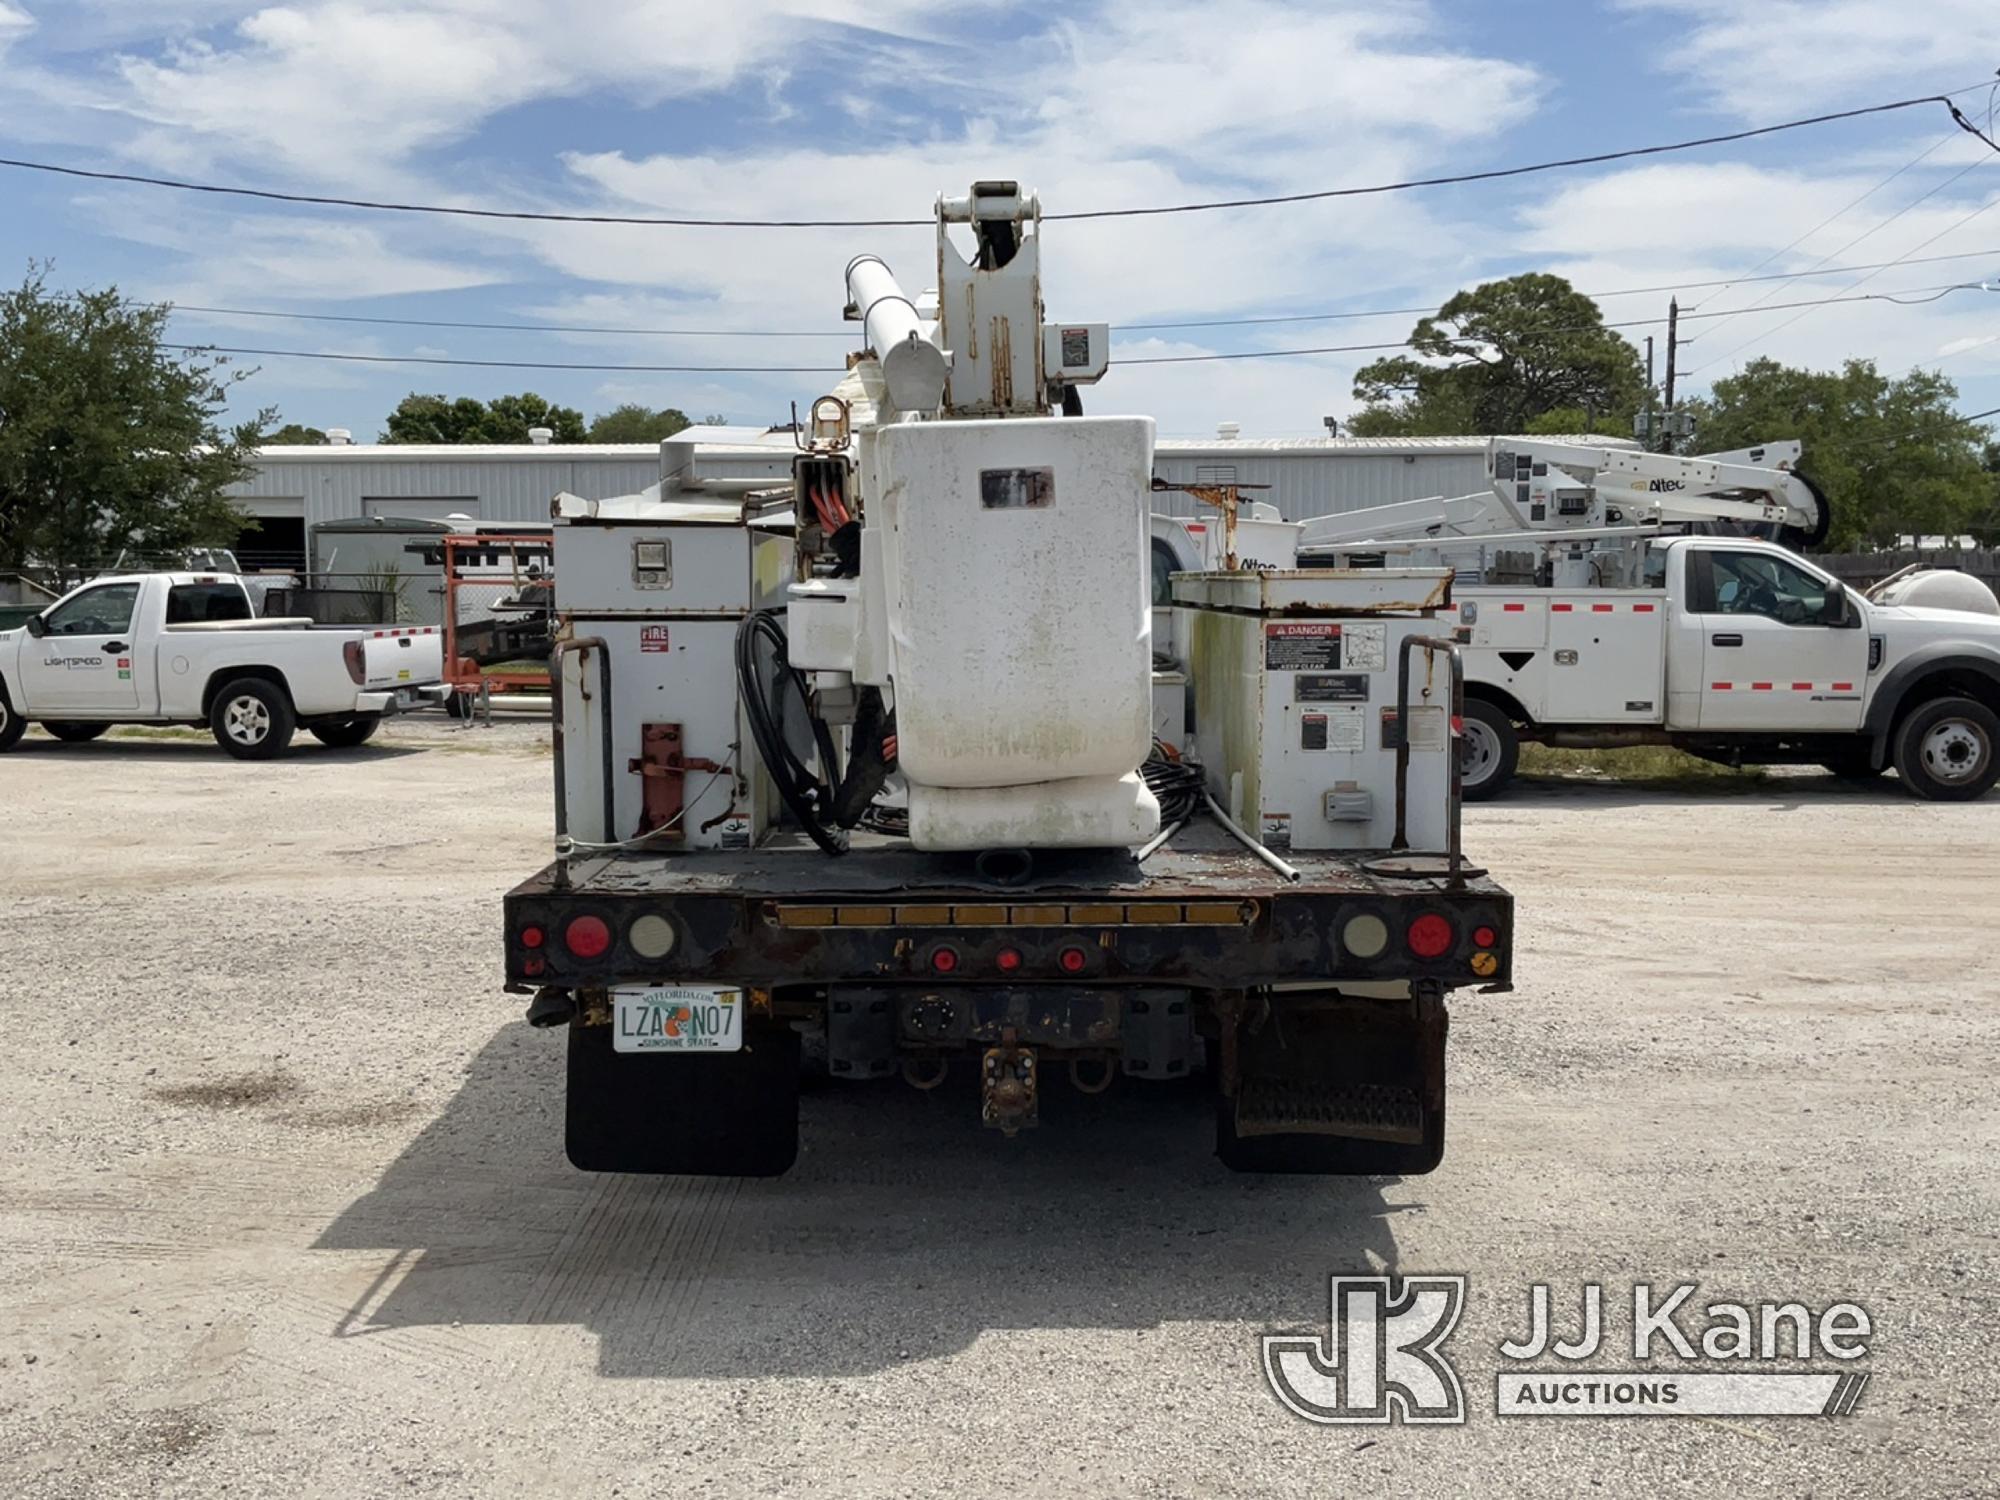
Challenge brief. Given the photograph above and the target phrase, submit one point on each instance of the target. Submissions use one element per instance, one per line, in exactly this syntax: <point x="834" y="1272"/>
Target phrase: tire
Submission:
<point x="12" y="725"/>
<point x="458" y="706"/>
<point x="345" y="734"/>
<point x="252" y="719"/>
<point x="1488" y="751"/>
<point x="1948" y="750"/>
<point x="74" y="731"/>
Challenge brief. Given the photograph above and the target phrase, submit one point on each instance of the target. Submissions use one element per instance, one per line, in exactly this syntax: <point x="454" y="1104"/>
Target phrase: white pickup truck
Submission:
<point x="1742" y="652"/>
<point x="188" y="648"/>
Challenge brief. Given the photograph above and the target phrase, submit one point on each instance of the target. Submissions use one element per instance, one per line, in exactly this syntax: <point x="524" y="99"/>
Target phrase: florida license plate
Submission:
<point x="676" y="1018"/>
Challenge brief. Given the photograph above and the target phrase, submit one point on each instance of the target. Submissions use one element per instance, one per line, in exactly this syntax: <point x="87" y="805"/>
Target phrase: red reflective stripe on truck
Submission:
<point x="1802" y="687"/>
<point x="1843" y="687"/>
<point x="1513" y="609"/>
<point x="1642" y="609"/>
<point x="1601" y="609"/>
<point x="1760" y="687"/>
<point x="1562" y="609"/>
<point x="1719" y="687"/>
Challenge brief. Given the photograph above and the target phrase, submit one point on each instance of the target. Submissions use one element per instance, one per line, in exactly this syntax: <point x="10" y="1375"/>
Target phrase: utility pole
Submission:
<point x="1647" y="429"/>
<point x="1673" y="344"/>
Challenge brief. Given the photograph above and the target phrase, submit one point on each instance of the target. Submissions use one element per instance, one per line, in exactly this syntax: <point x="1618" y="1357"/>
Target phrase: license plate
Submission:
<point x="676" y="1018"/>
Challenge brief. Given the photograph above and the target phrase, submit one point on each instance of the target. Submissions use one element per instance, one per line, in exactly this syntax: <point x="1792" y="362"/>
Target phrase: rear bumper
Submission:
<point x="401" y="700"/>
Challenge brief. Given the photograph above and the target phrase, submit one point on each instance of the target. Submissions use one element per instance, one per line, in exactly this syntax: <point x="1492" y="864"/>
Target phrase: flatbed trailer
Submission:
<point x="1318" y="1004"/>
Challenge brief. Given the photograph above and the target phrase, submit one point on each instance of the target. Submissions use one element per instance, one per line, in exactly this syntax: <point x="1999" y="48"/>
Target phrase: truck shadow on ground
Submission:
<point x="905" y="1232"/>
<point x="1786" y="792"/>
<point x="198" y="746"/>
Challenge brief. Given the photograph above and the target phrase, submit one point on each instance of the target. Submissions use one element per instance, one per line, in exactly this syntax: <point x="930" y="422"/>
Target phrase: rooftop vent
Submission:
<point x="1229" y="431"/>
<point x="541" y="436"/>
<point x="340" y="437"/>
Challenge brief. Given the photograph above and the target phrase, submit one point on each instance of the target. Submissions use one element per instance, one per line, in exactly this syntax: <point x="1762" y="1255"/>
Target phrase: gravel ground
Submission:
<point x="284" y="1206"/>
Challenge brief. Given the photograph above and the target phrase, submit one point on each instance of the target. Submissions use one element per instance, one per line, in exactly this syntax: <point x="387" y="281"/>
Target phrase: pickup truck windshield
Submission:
<point x="196" y="603"/>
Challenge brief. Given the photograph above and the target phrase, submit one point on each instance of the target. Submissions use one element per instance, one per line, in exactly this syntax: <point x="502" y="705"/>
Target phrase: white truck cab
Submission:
<point x="188" y="648"/>
<point x="1745" y="653"/>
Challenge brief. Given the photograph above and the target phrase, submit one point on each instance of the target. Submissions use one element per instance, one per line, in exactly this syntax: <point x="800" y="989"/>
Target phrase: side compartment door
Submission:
<point x="83" y="663"/>
<point x="1771" y="660"/>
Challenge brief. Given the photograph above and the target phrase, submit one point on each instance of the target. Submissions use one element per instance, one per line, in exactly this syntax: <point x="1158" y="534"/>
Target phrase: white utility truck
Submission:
<point x="854" y="741"/>
<point x="1608" y="597"/>
<point x="189" y="648"/>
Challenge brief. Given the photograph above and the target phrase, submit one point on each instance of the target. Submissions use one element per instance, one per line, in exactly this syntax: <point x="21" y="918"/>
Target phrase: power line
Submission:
<point x="650" y="369"/>
<point x="1316" y="195"/>
<point x="820" y="333"/>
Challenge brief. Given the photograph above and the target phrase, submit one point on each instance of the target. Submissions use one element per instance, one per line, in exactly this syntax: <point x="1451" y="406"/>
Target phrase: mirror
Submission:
<point x="1838" y="611"/>
<point x="37" y="626"/>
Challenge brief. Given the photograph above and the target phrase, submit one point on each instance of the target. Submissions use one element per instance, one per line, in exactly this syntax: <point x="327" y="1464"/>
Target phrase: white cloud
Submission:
<point x="1770" y="59"/>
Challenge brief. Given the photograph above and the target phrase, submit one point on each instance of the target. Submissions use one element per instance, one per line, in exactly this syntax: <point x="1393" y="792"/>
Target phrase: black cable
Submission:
<point x="1490" y="175"/>
<point x="605" y="330"/>
<point x="1175" y="784"/>
<point x="1150" y="359"/>
<point x="801" y="791"/>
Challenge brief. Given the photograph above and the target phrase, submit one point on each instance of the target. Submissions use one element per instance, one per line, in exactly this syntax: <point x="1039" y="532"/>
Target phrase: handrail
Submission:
<point x="1432" y="645"/>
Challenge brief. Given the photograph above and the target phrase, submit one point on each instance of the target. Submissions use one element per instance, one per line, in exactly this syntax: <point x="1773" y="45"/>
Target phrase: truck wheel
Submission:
<point x="74" y="731"/>
<point x="1488" y="751"/>
<point x="252" y="719"/>
<point x="1946" y="750"/>
<point x="344" y="734"/>
<point x="703" y="1114"/>
<point x="12" y="725"/>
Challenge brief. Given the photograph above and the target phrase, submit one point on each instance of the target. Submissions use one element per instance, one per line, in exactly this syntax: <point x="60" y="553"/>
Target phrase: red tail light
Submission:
<point x="944" y="960"/>
<point x="1430" y="936"/>
<point x="1008" y="960"/>
<point x="353" y="653"/>
<point x="587" y="937"/>
<point x="1484" y="937"/>
<point x="1073" y="960"/>
<point x="532" y="937"/>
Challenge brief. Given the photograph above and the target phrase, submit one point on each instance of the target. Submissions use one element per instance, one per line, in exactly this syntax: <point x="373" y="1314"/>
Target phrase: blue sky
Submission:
<point x="836" y="109"/>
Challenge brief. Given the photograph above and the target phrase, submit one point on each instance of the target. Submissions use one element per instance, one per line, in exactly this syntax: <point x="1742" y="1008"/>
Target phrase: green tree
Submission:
<point x="295" y="434"/>
<point x="633" y="423"/>
<point x="108" y="441"/>
<point x="505" y="419"/>
<point x="1504" y="357"/>
<point x="1893" y="456"/>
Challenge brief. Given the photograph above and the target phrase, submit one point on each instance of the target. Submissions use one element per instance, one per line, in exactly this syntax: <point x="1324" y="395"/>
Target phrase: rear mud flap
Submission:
<point x="713" y="1114"/>
<point x="1338" y="1087"/>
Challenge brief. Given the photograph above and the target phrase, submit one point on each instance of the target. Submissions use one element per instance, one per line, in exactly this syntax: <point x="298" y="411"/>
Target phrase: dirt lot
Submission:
<point x="284" y="1206"/>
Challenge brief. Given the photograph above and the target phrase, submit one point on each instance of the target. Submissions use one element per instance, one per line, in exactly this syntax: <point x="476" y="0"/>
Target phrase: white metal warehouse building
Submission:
<point x="296" y="489"/>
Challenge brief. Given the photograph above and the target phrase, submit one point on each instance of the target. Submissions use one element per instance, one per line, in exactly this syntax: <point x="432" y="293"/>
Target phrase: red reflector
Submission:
<point x="1430" y="936"/>
<point x="1073" y="960"/>
<point x="944" y="960"/>
<point x="1601" y="609"/>
<point x="531" y="937"/>
<point x="1009" y="959"/>
<point x="1484" y="937"/>
<point x="587" y="937"/>
<point x="532" y="966"/>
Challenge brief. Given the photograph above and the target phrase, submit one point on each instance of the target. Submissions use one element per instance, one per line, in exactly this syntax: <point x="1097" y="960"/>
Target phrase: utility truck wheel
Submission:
<point x="1949" y="750"/>
<point x="344" y="734"/>
<point x="704" y="1114"/>
<point x="74" y="731"/>
<point x="1488" y="751"/>
<point x="12" y="725"/>
<point x="252" y="719"/>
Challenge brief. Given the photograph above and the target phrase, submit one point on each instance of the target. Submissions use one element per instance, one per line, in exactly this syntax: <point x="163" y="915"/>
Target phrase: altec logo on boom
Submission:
<point x="1383" y="1359"/>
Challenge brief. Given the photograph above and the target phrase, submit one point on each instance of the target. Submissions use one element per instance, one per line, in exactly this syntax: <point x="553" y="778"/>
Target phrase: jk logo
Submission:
<point x="1381" y="1361"/>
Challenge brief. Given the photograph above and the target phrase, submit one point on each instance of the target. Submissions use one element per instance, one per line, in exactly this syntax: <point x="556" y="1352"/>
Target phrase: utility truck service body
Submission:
<point x="854" y="746"/>
<point x="1598" y="608"/>
<point x="188" y="648"/>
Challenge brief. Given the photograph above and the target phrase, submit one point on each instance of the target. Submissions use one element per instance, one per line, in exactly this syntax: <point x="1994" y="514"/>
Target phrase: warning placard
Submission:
<point x="1302" y="646"/>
